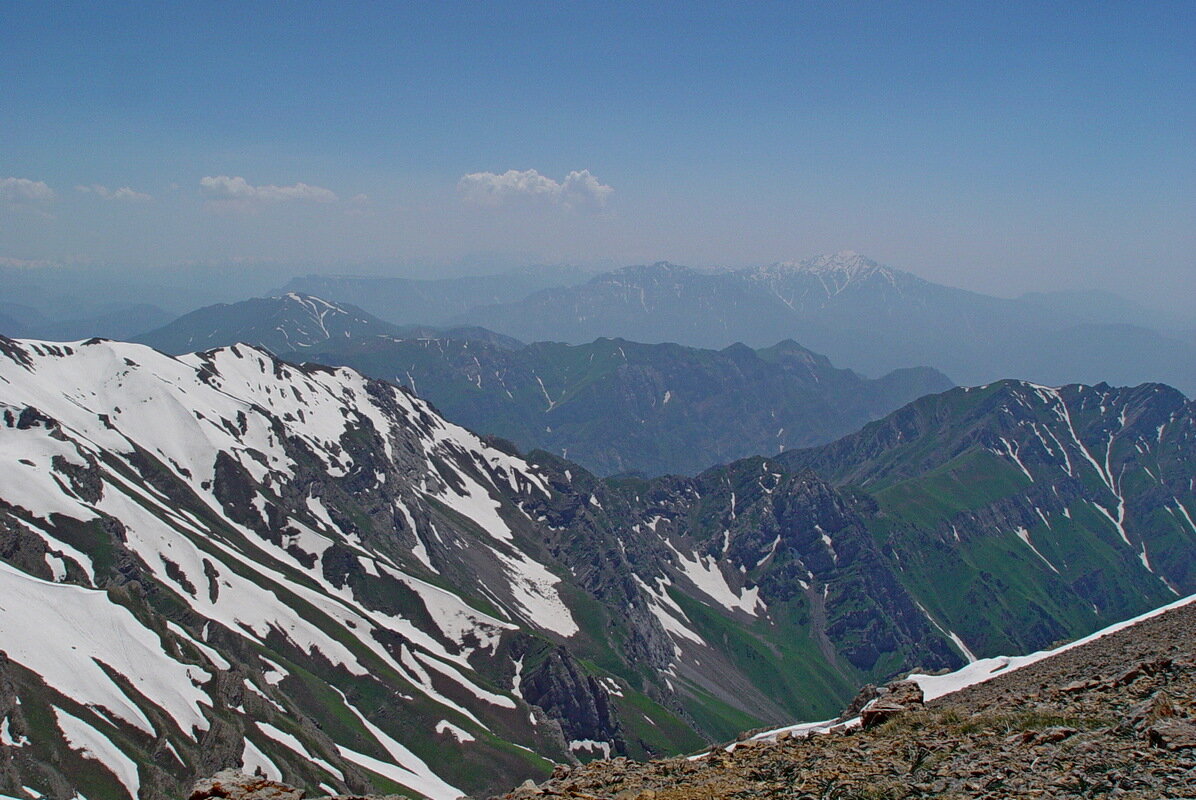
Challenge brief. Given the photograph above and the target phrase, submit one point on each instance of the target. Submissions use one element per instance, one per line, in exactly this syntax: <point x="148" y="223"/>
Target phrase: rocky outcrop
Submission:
<point x="576" y="700"/>
<point x="231" y="784"/>
<point x="899" y="697"/>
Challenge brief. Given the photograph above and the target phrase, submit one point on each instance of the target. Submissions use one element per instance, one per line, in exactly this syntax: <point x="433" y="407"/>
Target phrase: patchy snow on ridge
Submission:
<point x="83" y="737"/>
<point x="44" y="625"/>
<point x="207" y="471"/>
<point x="934" y="686"/>
<point x="705" y="574"/>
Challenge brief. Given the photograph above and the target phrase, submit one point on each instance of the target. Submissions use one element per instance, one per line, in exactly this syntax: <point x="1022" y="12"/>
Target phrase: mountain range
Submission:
<point x="861" y="314"/>
<point x="612" y="406"/>
<point x="434" y="301"/>
<point x="110" y="320"/>
<point x="222" y="559"/>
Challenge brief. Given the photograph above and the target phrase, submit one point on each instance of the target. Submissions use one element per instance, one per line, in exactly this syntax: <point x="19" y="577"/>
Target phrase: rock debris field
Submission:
<point x="1114" y="718"/>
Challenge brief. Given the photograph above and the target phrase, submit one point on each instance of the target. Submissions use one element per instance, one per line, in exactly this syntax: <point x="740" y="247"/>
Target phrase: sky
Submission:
<point x="1001" y="147"/>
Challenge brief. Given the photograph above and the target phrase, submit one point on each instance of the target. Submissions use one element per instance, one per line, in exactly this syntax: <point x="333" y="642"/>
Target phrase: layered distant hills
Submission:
<point x="110" y="320"/>
<point x="222" y="560"/>
<point x="432" y="301"/>
<point x="861" y="314"/>
<point x="610" y="405"/>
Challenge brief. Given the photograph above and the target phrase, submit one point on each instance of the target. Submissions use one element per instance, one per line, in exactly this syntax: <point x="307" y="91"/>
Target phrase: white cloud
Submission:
<point x="123" y="194"/>
<point x="240" y="193"/>
<point x="22" y="194"/>
<point x="579" y="190"/>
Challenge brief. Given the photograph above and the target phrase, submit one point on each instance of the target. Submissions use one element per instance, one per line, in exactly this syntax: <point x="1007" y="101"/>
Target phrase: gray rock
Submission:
<point x="236" y="785"/>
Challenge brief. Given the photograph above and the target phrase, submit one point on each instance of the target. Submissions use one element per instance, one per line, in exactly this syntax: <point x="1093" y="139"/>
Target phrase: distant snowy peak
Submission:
<point x="289" y="323"/>
<point x="658" y="270"/>
<point x="840" y="269"/>
<point x="848" y="261"/>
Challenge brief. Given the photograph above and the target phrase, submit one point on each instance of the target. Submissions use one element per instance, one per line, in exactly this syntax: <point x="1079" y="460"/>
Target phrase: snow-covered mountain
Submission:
<point x="225" y="560"/>
<point x="184" y="554"/>
<point x="289" y="323"/>
<point x="221" y="559"/>
<point x="815" y="282"/>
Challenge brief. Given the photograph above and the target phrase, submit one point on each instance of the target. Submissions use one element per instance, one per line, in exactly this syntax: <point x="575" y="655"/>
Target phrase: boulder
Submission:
<point x="236" y="785"/>
<point x="1173" y="734"/>
<point x="883" y="709"/>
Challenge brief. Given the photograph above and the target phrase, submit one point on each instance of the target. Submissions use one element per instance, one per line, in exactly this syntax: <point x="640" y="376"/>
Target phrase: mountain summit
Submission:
<point x="288" y="323"/>
<point x="847" y="263"/>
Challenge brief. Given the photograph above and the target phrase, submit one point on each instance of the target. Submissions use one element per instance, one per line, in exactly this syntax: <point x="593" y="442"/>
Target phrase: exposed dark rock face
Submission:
<point x="578" y="701"/>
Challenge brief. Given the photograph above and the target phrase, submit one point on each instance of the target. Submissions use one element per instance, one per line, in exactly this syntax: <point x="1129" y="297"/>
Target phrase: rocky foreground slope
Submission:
<point x="1113" y="718"/>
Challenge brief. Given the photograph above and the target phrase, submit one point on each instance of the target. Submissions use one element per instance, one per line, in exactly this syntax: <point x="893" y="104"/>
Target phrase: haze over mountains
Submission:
<point x="434" y="301"/>
<point x="612" y="405"/>
<point x="860" y="314"/>
<point x="305" y="571"/>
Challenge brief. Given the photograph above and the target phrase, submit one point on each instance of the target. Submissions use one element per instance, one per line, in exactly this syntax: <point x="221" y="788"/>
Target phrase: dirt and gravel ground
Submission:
<point x="1114" y="718"/>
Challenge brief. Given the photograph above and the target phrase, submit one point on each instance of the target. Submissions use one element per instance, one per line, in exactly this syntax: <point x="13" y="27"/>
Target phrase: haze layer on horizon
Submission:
<point x="997" y="147"/>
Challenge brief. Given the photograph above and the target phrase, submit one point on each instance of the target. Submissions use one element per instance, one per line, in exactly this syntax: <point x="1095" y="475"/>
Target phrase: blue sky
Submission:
<point x="998" y="146"/>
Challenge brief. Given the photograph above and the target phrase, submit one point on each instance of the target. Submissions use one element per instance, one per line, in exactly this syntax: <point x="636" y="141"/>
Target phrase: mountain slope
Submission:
<point x="862" y="314"/>
<point x="224" y="560"/>
<point x="1114" y="716"/>
<point x="292" y="322"/>
<point x="617" y="406"/>
<point x="1081" y="499"/>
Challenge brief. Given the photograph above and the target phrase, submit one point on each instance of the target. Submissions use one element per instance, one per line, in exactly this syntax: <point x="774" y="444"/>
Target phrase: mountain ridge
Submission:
<point x="858" y="312"/>
<point x="612" y="405"/>
<point x="268" y="546"/>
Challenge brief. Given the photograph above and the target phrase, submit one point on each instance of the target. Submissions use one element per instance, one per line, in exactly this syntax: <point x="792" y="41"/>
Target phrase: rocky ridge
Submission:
<point x="611" y="405"/>
<point x="223" y="560"/>
<point x="1113" y="718"/>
